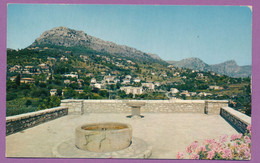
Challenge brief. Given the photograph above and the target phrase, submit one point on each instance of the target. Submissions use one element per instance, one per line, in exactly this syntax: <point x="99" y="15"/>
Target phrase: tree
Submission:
<point x="70" y="93"/>
<point x="18" y="79"/>
<point x="28" y="102"/>
<point x="104" y="93"/>
<point x="87" y="89"/>
<point x="59" y="92"/>
<point x="10" y="85"/>
<point x="10" y="96"/>
<point x="40" y="92"/>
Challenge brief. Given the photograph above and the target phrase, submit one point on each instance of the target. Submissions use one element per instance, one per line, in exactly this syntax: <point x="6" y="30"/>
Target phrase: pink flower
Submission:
<point x="211" y="154"/>
<point x="201" y="148"/>
<point x="180" y="155"/>
<point x="194" y="156"/>
<point x="249" y="128"/>
<point x="244" y="147"/>
<point x="247" y="154"/>
<point x="194" y="145"/>
<point x="234" y="137"/>
<point x="209" y="141"/>
<point x="188" y="149"/>
<point x="223" y="138"/>
<point x="247" y="139"/>
<point x="227" y="153"/>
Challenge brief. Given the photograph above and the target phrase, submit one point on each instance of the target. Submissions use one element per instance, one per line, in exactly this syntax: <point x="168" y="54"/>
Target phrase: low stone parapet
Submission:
<point x="237" y="119"/>
<point x="213" y="106"/>
<point x="23" y="121"/>
<point x="74" y="106"/>
<point x="151" y="106"/>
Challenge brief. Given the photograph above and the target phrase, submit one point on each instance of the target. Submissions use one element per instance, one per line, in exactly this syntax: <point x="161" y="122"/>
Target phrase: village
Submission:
<point x="105" y="80"/>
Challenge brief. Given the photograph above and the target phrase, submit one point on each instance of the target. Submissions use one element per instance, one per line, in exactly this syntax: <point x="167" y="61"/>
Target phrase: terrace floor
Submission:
<point x="166" y="133"/>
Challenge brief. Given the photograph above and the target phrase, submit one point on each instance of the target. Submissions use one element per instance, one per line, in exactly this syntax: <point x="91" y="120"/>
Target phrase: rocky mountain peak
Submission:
<point x="192" y="63"/>
<point x="63" y="36"/>
<point x="231" y="62"/>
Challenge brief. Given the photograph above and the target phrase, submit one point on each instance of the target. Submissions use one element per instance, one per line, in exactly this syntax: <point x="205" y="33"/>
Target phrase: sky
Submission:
<point x="212" y="33"/>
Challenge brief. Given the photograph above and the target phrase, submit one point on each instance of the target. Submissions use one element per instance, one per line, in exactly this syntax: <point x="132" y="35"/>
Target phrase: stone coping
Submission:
<point x="242" y="117"/>
<point x="217" y="101"/>
<point x="147" y="101"/>
<point x="33" y="114"/>
<point x="72" y="100"/>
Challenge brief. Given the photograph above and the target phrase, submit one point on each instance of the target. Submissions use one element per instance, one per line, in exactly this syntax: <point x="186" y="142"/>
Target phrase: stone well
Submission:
<point x="103" y="137"/>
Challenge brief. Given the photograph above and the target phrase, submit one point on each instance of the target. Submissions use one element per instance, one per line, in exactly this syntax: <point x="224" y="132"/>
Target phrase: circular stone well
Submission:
<point x="103" y="137"/>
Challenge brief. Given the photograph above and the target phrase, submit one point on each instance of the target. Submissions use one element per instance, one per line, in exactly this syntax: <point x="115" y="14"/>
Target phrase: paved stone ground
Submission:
<point x="166" y="133"/>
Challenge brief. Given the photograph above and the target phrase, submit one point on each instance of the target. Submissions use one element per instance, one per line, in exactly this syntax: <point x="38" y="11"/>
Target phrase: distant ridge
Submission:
<point x="63" y="36"/>
<point x="229" y="68"/>
<point x="66" y="37"/>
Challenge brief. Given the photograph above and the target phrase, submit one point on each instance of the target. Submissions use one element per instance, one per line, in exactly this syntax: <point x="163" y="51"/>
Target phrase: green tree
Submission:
<point x="28" y="102"/>
<point x="59" y="92"/>
<point x="18" y="79"/>
<point x="70" y="93"/>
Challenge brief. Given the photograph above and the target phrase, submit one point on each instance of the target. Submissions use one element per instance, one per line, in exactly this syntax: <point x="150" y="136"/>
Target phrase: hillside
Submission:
<point x="62" y="36"/>
<point x="229" y="68"/>
<point x="68" y="64"/>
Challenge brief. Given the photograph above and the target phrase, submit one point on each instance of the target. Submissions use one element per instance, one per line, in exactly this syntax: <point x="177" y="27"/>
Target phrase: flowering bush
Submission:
<point x="238" y="147"/>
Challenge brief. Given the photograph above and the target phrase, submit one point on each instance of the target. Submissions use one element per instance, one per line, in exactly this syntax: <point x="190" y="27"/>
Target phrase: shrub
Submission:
<point x="10" y="96"/>
<point x="28" y="102"/>
<point x="238" y="147"/>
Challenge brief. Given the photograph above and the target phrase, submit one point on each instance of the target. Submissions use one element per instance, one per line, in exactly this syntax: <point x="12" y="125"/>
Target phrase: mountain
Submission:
<point x="66" y="37"/>
<point x="229" y="68"/>
<point x="191" y="63"/>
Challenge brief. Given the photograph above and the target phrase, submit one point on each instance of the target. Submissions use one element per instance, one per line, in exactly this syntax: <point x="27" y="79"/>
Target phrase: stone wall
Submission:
<point x="23" y="121"/>
<point x="74" y="106"/>
<point x="237" y="119"/>
<point x="152" y="106"/>
<point x="213" y="106"/>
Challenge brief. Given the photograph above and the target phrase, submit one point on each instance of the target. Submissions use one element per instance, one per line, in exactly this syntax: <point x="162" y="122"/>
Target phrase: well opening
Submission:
<point x="103" y="137"/>
<point x="103" y="127"/>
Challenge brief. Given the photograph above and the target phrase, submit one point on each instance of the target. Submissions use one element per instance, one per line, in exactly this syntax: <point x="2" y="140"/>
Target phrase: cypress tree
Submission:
<point x="18" y="79"/>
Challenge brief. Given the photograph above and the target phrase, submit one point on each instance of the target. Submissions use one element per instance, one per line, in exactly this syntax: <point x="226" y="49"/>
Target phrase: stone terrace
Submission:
<point x="167" y="133"/>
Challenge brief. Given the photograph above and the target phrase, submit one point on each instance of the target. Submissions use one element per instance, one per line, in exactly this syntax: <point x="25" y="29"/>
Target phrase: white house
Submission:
<point x="72" y="75"/>
<point x="186" y="93"/>
<point x="53" y="92"/>
<point x="63" y="58"/>
<point x="109" y="78"/>
<point x="98" y="85"/>
<point x="116" y="80"/>
<point x="126" y="81"/>
<point x="157" y="84"/>
<point x="128" y="77"/>
<point x="66" y="81"/>
<point x="214" y="87"/>
<point x="174" y="90"/>
<point x="137" y="80"/>
<point x="13" y="78"/>
<point x="149" y="85"/>
<point x="133" y="90"/>
<point x="93" y="80"/>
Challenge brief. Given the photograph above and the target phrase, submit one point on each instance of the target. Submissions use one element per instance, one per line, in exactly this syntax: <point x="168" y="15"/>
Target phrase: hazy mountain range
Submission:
<point x="229" y="68"/>
<point x="62" y="36"/>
